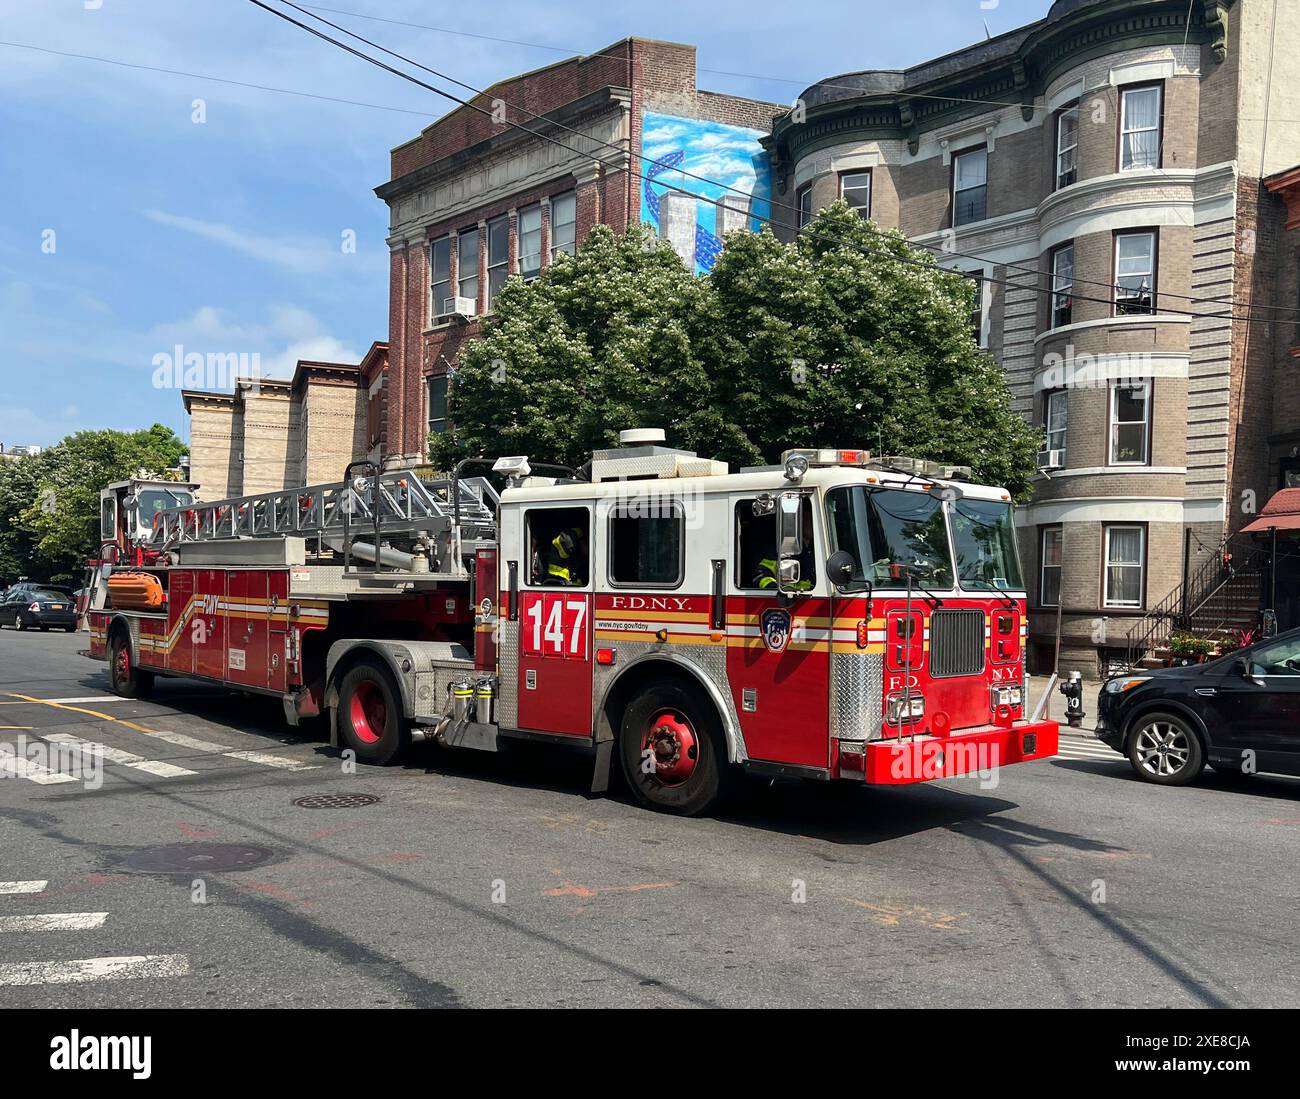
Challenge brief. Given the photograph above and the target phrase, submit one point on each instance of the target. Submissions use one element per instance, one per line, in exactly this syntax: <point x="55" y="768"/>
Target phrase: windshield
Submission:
<point x="984" y="536"/>
<point x="890" y="533"/>
<point x="154" y="500"/>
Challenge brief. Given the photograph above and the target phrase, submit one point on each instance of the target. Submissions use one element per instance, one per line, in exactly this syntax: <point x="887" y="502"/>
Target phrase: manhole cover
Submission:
<point x="192" y="858"/>
<point x="335" y="801"/>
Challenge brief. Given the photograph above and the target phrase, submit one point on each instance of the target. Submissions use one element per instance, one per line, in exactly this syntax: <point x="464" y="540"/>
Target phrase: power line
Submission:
<point x="627" y="152"/>
<point x="215" y="79"/>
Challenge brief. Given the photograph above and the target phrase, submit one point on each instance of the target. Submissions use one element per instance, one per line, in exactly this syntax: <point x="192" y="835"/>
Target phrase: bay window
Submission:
<point x="1130" y="423"/>
<point x="1139" y="127"/>
<point x="1125" y="548"/>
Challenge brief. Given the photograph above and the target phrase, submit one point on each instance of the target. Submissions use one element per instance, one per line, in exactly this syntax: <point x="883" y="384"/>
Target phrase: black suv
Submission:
<point x="1240" y="712"/>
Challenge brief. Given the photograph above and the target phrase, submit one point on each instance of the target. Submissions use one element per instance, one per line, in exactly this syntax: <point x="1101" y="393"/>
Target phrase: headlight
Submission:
<point x="1005" y="696"/>
<point x="1124" y="683"/>
<point x="894" y="712"/>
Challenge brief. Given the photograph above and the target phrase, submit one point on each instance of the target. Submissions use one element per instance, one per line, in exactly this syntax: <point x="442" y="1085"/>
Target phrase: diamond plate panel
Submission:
<point x="857" y="682"/>
<point x="508" y="662"/>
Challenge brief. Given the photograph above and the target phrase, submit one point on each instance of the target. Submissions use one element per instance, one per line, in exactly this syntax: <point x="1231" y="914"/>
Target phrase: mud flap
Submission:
<point x="600" y="773"/>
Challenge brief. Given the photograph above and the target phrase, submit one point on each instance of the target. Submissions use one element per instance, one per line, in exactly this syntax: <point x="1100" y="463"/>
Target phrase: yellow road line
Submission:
<point x="80" y="710"/>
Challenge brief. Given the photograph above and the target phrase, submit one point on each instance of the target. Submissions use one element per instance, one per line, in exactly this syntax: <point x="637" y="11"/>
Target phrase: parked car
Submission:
<point x="1240" y="712"/>
<point x="38" y="606"/>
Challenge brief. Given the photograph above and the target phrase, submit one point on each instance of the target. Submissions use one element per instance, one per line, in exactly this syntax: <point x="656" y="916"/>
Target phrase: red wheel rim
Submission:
<point x="673" y="746"/>
<point x="123" y="664"/>
<point x="369" y="712"/>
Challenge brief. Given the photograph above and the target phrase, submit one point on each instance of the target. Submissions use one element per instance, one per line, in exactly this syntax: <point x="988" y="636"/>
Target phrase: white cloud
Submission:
<point x="303" y="256"/>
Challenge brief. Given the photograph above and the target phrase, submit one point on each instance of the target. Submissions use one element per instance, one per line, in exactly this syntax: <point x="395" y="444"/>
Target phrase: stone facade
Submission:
<point x="1223" y="394"/>
<point x="270" y="435"/>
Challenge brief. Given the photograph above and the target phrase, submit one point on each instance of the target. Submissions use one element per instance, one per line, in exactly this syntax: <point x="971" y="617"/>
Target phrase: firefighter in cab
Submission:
<point x="566" y="561"/>
<point x="765" y="577"/>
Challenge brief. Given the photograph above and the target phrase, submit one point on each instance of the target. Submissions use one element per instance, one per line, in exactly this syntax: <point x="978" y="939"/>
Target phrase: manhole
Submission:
<point x="335" y="801"/>
<point x="193" y="858"/>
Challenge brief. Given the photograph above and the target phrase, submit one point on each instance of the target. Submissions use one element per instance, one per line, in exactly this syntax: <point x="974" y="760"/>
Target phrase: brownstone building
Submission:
<point x="1116" y="174"/>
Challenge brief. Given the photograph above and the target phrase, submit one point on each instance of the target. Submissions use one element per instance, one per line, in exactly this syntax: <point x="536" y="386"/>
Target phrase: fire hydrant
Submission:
<point x="1072" y="688"/>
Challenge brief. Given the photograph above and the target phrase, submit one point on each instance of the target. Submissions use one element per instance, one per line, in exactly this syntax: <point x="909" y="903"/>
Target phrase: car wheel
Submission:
<point x="370" y="716"/>
<point x="69" y="629"/>
<point x="20" y="622"/>
<point x="1164" y="748"/>
<point x="673" y="750"/>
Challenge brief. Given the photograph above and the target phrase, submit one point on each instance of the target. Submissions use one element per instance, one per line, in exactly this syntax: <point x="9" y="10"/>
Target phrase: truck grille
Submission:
<point x="956" y="643"/>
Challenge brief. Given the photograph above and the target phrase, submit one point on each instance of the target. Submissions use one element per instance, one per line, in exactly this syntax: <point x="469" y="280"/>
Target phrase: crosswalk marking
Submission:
<point x="134" y="966"/>
<point x="116" y="755"/>
<point x="54" y="921"/>
<point x="271" y="760"/>
<point x="23" y="886"/>
<point x="267" y="758"/>
<point x="30" y="769"/>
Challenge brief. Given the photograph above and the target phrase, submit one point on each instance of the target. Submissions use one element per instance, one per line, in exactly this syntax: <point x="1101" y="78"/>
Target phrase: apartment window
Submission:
<point x="1054" y="419"/>
<point x="1139" y="128"/>
<point x="1135" y="273"/>
<point x="1125" y="565"/>
<point x="498" y="257"/>
<point x="977" y="313"/>
<point x="564" y="224"/>
<point x="440" y="275"/>
<point x="805" y="205"/>
<point x="1062" y="285"/>
<point x="855" y="189"/>
<point x="970" y="186"/>
<point x="1067" y="146"/>
<point x="530" y="242"/>
<point x="1049" y="572"/>
<point x="1130" y="423"/>
<point x="467" y="257"/>
<point x="437" y="404"/>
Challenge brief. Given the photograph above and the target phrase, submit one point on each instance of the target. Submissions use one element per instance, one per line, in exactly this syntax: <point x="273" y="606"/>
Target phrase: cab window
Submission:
<point x="756" y="549"/>
<point x="559" y="547"/>
<point x="646" y="544"/>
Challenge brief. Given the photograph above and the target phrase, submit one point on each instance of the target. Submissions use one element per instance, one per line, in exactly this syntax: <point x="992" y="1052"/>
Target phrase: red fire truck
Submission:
<point x="834" y="617"/>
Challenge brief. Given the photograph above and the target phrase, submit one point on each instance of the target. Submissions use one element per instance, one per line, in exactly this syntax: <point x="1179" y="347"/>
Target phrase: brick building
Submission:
<point x="1103" y="168"/>
<point x="269" y="434"/>
<point x="474" y="199"/>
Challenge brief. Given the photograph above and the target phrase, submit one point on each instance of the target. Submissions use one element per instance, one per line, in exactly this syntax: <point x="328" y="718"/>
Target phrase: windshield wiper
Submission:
<point x="1007" y="601"/>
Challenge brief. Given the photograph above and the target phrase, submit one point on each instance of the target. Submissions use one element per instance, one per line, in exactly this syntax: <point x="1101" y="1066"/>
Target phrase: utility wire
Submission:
<point x="626" y="153"/>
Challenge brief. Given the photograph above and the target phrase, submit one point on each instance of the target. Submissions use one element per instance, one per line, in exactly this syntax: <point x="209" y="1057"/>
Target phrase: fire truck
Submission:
<point x="836" y="617"/>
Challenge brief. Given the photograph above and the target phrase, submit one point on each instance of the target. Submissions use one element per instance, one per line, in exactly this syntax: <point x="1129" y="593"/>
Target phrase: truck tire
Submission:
<point x="124" y="677"/>
<point x="673" y="750"/>
<point x="370" y="718"/>
<point x="1163" y="748"/>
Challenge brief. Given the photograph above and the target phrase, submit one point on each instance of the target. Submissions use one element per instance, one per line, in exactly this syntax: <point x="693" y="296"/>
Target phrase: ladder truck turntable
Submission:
<point x="837" y="617"/>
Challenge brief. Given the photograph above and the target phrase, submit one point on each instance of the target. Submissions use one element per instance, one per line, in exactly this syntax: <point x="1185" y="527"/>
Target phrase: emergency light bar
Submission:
<point x="829" y="457"/>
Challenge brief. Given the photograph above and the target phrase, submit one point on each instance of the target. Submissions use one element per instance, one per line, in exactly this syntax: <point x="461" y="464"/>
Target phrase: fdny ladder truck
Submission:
<point x="837" y="617"/>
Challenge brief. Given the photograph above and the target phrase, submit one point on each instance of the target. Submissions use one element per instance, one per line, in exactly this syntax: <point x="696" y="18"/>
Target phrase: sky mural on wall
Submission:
<point x="727" y="156"/>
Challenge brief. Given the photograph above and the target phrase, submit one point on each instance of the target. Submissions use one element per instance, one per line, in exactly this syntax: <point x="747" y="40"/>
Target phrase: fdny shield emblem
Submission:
<point x="775" y="625"/>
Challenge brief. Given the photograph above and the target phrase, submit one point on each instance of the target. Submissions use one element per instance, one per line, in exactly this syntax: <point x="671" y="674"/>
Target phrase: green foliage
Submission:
<point x="49" y="502"/>
<point x="815" y="343"/>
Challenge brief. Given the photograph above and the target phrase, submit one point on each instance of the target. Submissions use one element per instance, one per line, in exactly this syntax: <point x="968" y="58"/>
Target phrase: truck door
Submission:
<point x="277" y="624"/>
<point x="553" y="573"/>
<point x="778" y="653"/>
<point x="210" y="637"/>
<point x="246" y="627"/>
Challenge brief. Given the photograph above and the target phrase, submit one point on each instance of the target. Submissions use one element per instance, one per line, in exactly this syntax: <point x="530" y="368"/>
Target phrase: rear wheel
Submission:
<point x="69" y="629"/>
<point x="125" y="678"/>
<point x="19" y="621"/>
<point x="370" y="716"/>
<point x="1164" y="748"/>
<point x="673" y="750"/>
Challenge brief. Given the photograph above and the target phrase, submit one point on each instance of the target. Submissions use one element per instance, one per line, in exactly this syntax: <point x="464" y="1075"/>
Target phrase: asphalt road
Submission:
<point x="494" y="881"/>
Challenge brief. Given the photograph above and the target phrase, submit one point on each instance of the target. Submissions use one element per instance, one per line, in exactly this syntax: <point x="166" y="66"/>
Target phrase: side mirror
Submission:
<point x="790" y="525"/>
<point x="839" y="567"/>
<point x="789" y="572"/>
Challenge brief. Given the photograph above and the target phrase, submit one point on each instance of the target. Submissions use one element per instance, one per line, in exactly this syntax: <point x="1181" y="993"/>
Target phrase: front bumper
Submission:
<point x="895" y="762"/>
<point x="1107" y="727"/>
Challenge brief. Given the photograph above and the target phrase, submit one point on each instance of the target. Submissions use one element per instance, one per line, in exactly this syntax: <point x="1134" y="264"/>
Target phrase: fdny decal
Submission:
<point x="649" y="603"/>
<point x="776" y="630"/>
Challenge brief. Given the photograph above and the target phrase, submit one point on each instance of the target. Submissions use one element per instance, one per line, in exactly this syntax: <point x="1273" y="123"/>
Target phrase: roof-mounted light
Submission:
<point x="827" y="456"/>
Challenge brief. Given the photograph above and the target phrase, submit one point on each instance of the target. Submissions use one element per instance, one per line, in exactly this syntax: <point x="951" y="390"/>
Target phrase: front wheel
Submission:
<point x="370" y="716"/>
<point x="20" y="623"/>
<point x="673" y="750"/>
<point x="1165" y="749"/>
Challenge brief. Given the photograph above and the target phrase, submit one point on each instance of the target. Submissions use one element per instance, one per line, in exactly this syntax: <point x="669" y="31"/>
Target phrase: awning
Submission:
<point x="1282" y="512"/>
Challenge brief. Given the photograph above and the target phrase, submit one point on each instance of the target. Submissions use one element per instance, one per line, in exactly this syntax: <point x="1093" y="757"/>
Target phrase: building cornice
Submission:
<point x="1015" y="68"/>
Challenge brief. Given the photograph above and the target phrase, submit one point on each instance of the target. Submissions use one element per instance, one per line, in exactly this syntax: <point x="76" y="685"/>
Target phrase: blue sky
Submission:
<point x="128" y="228"/>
